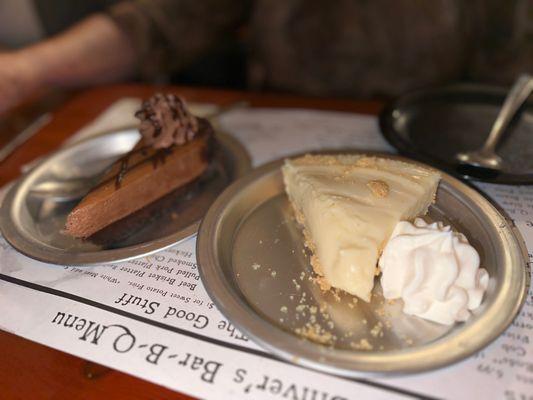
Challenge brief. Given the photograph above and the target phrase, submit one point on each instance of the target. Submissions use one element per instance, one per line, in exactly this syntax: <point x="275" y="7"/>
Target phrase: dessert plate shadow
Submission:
<point x="256" y="269"/>
<point x="34" y="211"/>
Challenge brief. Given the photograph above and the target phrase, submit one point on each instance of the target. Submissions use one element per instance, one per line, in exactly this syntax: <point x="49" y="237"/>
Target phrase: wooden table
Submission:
<point x="32" y="371"/>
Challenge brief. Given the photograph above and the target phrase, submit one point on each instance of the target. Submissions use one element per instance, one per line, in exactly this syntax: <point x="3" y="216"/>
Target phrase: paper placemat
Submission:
<point x="152" y="318"/>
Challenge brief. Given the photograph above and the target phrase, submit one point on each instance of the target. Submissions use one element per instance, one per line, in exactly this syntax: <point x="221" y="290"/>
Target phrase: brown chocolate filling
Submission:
<point x="151" y="170"/>
<point x="157" y="157"/>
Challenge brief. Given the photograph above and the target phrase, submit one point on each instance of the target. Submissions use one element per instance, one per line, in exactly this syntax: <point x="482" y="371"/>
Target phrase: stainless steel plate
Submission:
<point x="31" y="218"/>
<point x="432" y="126"/>
<point x="255" y="268"/>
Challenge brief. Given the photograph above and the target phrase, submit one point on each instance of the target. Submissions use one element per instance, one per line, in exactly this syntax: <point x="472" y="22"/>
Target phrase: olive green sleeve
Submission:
<point x="170" y="34"/>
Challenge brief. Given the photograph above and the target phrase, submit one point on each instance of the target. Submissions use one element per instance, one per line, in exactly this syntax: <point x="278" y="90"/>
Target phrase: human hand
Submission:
<point x="18" y="78"/>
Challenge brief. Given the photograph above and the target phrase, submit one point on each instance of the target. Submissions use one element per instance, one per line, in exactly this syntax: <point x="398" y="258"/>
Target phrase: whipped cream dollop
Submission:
<point x="434" y="270"/>
<point x="166" y="121"/>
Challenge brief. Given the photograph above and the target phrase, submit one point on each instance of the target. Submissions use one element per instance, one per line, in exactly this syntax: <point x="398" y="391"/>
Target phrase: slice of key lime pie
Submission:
<point x="349" y="205"/>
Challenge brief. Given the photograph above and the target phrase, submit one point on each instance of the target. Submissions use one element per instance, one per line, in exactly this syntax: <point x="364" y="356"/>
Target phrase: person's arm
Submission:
<point x="148" y="37"/>
<point x="93" y="51"/>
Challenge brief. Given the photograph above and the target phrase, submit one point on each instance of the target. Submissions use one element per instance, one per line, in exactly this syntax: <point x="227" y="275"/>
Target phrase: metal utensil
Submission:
<point x="33" y="213"/>
<point x="25" y="135"/>
<point x="226" y="109"/>
<point x="251" y="223"/>
<point x="63" y="190"/>
<point x="486" y="157"/>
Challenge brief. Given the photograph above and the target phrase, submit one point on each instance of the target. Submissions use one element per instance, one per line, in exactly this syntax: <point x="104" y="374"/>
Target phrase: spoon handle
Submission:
<point x="227" y="108"/>
<point x="514" y="100"/>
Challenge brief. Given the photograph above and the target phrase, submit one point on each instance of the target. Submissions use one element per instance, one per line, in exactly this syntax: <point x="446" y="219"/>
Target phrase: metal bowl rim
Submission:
<point x="31" y="248"/>
<point x="287" y="346"/>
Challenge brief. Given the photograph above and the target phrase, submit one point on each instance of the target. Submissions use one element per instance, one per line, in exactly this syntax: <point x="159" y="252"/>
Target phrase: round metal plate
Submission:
<point x="32" y="223"/>
<point x="434" y="125"/>
<point x="255" y="268"/>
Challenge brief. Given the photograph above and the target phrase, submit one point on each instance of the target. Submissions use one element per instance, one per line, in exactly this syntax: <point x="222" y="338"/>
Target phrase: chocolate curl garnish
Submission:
<point x="165" y="121"/>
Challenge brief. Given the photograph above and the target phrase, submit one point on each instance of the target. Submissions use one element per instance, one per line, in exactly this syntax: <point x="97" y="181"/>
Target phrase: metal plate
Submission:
<point x="434" y="125"/>
<point x="32" y="223"/>
<point x="255" y="268"/>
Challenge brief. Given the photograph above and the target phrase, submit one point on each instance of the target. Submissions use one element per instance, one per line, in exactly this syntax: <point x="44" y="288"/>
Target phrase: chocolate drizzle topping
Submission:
<point x="165" y="121"/>
<point x="122" y="171"/>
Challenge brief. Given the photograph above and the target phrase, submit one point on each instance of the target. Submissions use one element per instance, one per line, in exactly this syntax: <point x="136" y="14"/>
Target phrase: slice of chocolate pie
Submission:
<point x="175" y="149"/>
